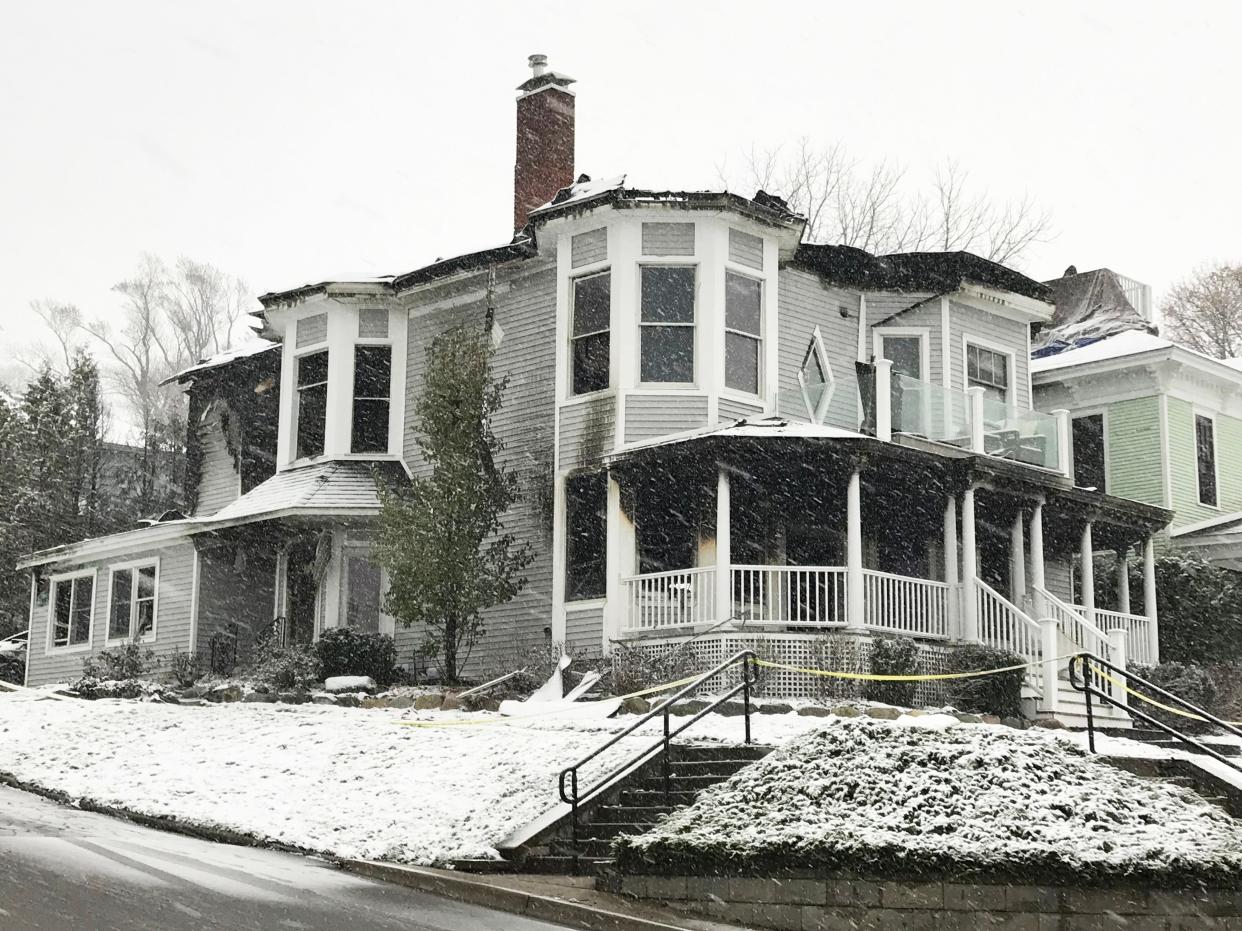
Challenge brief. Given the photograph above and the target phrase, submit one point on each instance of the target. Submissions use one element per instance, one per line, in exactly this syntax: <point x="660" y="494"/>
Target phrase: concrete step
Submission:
<point x="722" y="769"/>
<point x="647" y="798"/>
<point x="610" y="829"/>
<point x="632" y="814"/>
<point x="678" y="782"/>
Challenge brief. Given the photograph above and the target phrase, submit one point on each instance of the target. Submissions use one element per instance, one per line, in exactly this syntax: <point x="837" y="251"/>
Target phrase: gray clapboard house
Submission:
<point x="726" y="436"/>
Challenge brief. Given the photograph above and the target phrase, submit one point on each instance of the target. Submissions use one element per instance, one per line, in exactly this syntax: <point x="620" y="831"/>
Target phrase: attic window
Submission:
<point x="312" y="381"/>
<point x="372" y="387"/>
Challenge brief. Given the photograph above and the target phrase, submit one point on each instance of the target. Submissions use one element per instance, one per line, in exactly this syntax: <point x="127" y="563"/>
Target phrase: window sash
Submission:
<point x="1205" y="460"/>
<point x="312" y="401"/>
<point x="590" y="341"/>
<point x="131" y="608"/>
<point x="989" y="370"/>
<point x="653" y="367"/>
<point x="590" y="361"/>
<point x="72" y="604"/>
<point x="743" y="358"/>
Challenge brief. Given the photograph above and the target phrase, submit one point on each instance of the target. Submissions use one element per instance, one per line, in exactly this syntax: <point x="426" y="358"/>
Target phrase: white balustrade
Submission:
<point x="1137" y="628"/>
<point x="1004" y="625"/>
<point x="793" y="596"/>
<point x="670" y="599"/>
<point x="898" y="603"/>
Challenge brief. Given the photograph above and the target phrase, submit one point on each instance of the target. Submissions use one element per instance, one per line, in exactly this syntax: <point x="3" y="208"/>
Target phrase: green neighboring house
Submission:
<point x="1151" y="420"/>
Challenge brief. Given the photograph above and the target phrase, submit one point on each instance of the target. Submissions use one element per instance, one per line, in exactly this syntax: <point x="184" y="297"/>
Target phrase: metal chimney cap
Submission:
<point x="538" y="64"/>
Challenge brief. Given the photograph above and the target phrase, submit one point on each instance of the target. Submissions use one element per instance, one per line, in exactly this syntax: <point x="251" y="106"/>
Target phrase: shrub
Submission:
<point x="186" y="668"/>
<point x="345" y="652"/>
<point x="1192" y="683"/>
<point x="93" y="688"/>
<point x="293" y="667"/>
<point x="999" y="694"/>
<point x="128" y="661"/>
<point x="893" y="656"/>
<point x="634" y="670"/>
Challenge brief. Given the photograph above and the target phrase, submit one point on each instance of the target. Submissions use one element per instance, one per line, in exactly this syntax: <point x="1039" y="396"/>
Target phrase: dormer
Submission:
<point x="342" y="373"/>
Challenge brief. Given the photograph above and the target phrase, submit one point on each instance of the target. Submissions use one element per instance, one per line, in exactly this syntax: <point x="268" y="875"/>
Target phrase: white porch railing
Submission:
<point x="671" y="599"/>
<point x="898" y="603"/>
<point x="811" y="596"/>
<point x="1081" y="633"/>
<point x="1137" y="628"/>
<point x="1004" y="625"/>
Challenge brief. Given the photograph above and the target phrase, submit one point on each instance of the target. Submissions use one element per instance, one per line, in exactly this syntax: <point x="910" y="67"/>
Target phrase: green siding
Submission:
<point x="1135" y="466"/>
<point x="1183" y="465"/>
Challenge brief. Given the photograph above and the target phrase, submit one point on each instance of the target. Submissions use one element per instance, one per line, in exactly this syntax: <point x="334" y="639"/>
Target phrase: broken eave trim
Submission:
<point x="336" y="288"/>
<point x="208" y="524"/>
<point x="626" y="198"/>
<point x="470" y="262"/>
<point x="140" y="540"/>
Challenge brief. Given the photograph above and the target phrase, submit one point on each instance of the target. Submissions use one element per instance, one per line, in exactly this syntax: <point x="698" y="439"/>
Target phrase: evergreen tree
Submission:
<point x="442" y="538"/>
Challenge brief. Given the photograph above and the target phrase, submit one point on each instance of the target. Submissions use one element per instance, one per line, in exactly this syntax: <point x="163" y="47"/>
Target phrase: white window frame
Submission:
<point x="387" y="624"/>
<point x="131" y="568"/>
<point x="923" y="334"/>
<point x="55" y="580"/>
<point x="672" y="261"/>
<point x="295" y="405"/>
<point x="1011" y="365"/>
<point x="817" y="412"/>
<point x="1209" y="416"/>
<point x="588" y="271"/>
<point x="1091" y="412"/>
<point x="392" y="388"/>
<point x="761" y="340"/>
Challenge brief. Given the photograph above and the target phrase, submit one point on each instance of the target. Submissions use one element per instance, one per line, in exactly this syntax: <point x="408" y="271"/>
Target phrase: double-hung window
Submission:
<point x="989" y="370"/>
<point x="372" y="389"/>
<point x="1205" y="459"/>
<point x="590" y="340"/>
<point x="73" y="601"/>
<point x="131" y="603"/>
<point x="312" y="378"/>
<point x="666" y="338"/>
<point x="743" y="332"/>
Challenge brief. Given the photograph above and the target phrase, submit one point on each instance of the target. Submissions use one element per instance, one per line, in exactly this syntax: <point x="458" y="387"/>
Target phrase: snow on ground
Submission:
<point x="346" y="781"/>
<point x="866" y="795"/>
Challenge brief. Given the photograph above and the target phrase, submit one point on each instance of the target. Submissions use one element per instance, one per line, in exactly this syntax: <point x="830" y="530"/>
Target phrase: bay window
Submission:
<point x="666" y="324"/>
<point x="372" y="389"/>
<point x="743" y="332"/>
<point x="592" y="308"/>
<point x="312" y="382"/>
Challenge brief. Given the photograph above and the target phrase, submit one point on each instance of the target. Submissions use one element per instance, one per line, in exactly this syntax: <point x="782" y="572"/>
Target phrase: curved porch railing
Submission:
<point x="1004" y="625"/>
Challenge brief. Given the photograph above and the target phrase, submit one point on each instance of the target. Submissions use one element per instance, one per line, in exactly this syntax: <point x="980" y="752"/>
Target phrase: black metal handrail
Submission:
<point x="1082" y="680"/>
<point x="567" y="784"/>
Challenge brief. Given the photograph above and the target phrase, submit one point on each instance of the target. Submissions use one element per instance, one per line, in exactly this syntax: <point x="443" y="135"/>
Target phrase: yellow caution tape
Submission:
<point x="1151" y="701"/>
<point x="927" y="677"/>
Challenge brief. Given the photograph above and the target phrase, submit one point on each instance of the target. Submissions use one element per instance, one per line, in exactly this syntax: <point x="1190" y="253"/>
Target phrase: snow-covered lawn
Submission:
<point x="346" y="781"/>
<point x="871" y="797"/>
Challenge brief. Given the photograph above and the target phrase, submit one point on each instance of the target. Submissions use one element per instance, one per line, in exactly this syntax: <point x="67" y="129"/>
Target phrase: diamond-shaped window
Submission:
<point x="815" y="377"/>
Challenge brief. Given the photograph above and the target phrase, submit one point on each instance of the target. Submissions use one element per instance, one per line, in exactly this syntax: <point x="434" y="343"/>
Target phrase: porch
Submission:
<point x="958" y="549"/>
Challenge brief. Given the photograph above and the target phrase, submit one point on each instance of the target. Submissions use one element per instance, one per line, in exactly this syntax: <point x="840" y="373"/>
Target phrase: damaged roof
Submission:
<point x="940" y="272"/>
<point x="1090" y="306"/>
<point x="244" y="351"/>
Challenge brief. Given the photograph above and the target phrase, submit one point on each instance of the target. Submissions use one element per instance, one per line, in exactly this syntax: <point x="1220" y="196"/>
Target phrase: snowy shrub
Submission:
<point x="999" y="694"/>
<point x="1191" y="683"/>
<point x="879" y="800"/>
<point x="346" y="652"/>
<point x="293" y="667"/>
<point x="13" y="667"/>
<point x="93" y="687"/>
<point x="186" y="668"/>
<point x="634" y="669"/>
<point x="893" y="656"/>
<point x="128" y="661"/>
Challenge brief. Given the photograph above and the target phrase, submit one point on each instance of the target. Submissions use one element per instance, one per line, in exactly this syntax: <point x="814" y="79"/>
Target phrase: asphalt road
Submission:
<point x="62" y="870"/>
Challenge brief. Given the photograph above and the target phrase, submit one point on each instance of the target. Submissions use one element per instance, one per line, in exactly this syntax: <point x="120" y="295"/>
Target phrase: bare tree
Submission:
<point x="203" y="305"/>
<point x="876" y="208"/>
<point x="1204" y="310"/>
<point x="63" y="321"/>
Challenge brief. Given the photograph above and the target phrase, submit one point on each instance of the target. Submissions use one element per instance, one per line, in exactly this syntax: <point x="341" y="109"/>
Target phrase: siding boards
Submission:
<point x="526" y="311"/>
<point x="587" y="431"/>
<point x="745" y="249"/>
<point x="172" y="619"/>
<point x="925" y="316"/>
<point x="373" y="323"/>
<point x="1058" y="576"/>
<point x="219" y="483"/>
<point x="668" y="239"/>
<point x="584" y="629"/>
<point x="648" y="416"/>
<point x="312" y="330"/>
<point x="1183" y="465"/>
<point x="995" y="330"/>
<point x="586" y="248"/>
<point x="805" y="302"/>
<point x="1135" y="464"/>
<point x="732" y="409"/>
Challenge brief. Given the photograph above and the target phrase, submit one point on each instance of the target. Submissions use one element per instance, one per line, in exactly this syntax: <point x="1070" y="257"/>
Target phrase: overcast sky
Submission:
<point x="296" y="141"/>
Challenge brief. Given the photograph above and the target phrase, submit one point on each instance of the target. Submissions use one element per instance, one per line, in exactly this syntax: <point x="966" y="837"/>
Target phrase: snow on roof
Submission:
<point x="1119" y="345"/>
<point x="1089" y="305"/>
<point x="250" y="348"/>
<point x="764" y="426"/>
<point x="317" y="488"/>
<point x="583" y="188"/>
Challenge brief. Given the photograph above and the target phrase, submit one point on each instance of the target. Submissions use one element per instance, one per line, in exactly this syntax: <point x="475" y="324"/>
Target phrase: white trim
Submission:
<point x="694" y="384"/>
<point x="970" y="339"/>
<point x="596" y="269"/>
<point x="817" y="412"/>
<point x="30" y="621"/>
<point x="922" y="333"/>
<point x="129" y="566"/>
<point x="761" y="376"/>
<point x="1005" y="304"/>
<point x="195" y="576"/>
<point x="946" y="359"/>
<point x="1195" y="414"/>
<point x="155" y="536"/>
<point x="53" y="581"/>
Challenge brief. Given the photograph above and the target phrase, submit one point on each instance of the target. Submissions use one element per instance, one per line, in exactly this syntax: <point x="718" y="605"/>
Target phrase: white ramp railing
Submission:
<point x="1004" y="625"/>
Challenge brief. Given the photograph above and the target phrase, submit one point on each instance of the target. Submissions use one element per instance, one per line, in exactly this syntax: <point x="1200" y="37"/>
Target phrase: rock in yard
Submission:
<point x="258" y="697"/>
<point x="349" y="701"/>
<point x="683" y="708"/>
<point x="815" y="711"/>
<point x="775" y="707"/>
<point x="482" y="703"/>
<point x="349" y="684"/>
<point x="637" y="705"/>
<point x="324" y="699"/>
<point x="1051" y="723"/>
<point x="451" y="702"/>
<point x="967" y="718"/>
<point x="225" y="693"/>
<point x="846" y="711"/>
<point x="293" y="698"/>
<point x="884" y="713"/>
<point x="428" y="702"/>
<point x="400" y="701"/>
<point x="1019" y="723"/>
<point x="734" y="709"/>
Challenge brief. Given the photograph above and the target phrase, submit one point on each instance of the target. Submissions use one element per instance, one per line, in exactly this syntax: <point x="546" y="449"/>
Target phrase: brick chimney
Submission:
<point x="545" y="139"/>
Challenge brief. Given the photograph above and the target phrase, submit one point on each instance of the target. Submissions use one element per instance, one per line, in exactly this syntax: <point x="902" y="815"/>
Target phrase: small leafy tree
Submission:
<point x="441" y="538"/>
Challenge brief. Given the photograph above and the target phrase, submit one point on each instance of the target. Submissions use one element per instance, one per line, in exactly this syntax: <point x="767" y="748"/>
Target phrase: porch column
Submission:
<point x="1017" y="561"/>
<point x="854" y="607"/>
<point x="621" y="562"/>
<point x="1065" y="441"/>
<point x="724" y="588"/>
<point x="1087" y="559"/>
<point x="950" y="564"/>
<point x="1123" y="580"/>
<point x="1037" y="559"/>
<point x="884" y="400"/>
<point x="970" y="569"/>
<point x="1149" y="598"/>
